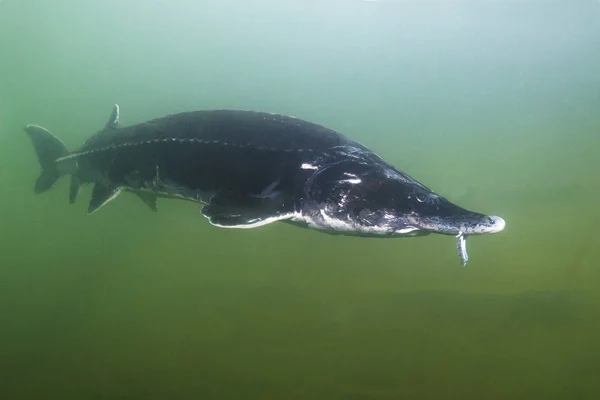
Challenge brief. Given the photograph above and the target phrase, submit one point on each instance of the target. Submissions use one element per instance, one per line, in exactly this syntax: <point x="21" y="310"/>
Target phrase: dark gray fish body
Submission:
<point x="250" y="169"/>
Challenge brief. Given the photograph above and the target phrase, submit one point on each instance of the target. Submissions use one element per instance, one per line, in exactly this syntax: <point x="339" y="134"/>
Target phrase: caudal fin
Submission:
<point x="48" y="148"/>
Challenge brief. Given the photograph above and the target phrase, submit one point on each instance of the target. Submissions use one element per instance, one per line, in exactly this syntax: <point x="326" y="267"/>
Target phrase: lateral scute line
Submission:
<point x="176" y="140"/>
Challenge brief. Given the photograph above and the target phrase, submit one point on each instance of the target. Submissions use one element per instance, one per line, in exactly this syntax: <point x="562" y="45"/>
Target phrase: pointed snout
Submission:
<point x="498" y="224"/>
<point x="465" y="223"/>
<point x="485" y="225"/>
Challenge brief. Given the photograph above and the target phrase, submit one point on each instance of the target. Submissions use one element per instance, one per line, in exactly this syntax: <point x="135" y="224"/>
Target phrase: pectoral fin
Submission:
<point x="150" y="199"/>
<point x="230" y="210"/>
<point x="101" y="195"/>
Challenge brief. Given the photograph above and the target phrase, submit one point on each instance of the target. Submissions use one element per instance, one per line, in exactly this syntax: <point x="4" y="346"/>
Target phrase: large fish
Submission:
<point x="253" y="168"/>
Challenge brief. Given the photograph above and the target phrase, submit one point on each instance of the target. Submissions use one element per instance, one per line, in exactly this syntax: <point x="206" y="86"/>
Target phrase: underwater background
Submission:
<point x="492" y="104"/>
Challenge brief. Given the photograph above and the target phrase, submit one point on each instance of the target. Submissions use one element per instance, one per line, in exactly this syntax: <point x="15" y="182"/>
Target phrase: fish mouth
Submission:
<point x="460" y="223"/>
<point x="476" y="224"/>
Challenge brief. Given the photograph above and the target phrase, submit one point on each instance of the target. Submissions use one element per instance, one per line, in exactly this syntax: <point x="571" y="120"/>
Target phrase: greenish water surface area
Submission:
<point x="494" y="105"/>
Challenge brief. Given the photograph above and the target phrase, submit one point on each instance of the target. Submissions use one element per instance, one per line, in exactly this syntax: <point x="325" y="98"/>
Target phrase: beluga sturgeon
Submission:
<point x="251" y="168"/>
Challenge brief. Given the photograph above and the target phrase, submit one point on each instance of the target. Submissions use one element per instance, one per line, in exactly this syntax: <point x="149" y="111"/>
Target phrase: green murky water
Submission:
<point x="494" y="105"/>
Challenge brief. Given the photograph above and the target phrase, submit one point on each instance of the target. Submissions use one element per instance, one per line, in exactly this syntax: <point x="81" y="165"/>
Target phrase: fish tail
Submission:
<point x="49" y="149"/>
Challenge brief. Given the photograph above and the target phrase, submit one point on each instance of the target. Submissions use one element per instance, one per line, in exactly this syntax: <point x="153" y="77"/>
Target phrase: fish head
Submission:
<point x="375" y="199"/>
<point x="423" y="210"/>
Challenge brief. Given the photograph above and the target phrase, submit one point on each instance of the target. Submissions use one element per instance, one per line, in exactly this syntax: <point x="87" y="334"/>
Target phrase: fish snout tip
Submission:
<point x="498" y="224"/>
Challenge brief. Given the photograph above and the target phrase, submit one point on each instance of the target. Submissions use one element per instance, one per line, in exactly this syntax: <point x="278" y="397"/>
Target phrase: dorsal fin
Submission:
<point x="113" y="121"/>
